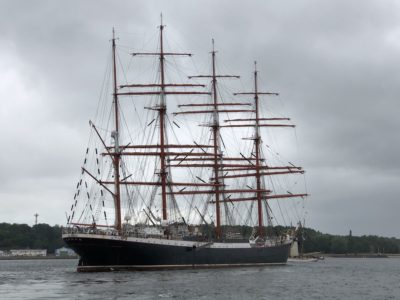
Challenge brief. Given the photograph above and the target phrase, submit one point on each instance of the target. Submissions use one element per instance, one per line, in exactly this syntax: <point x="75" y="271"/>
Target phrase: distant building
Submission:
<point x="64" y="251"/>
<point x="2" y="253"/>
<point x="28" y="252"/>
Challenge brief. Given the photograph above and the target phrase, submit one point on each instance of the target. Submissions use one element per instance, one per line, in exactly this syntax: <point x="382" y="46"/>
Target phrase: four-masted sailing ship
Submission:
<point x="149" y="199"/>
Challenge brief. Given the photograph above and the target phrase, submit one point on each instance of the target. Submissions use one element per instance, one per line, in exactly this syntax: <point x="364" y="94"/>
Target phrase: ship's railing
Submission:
<point x="137" y="232"/>
<point x="88" y="230"/>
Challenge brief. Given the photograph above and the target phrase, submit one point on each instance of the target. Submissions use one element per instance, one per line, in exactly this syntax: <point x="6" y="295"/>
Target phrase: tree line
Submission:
<point x="23" y="236"/>
<point x="315" y="241"/>
<point x="44" y="236"/>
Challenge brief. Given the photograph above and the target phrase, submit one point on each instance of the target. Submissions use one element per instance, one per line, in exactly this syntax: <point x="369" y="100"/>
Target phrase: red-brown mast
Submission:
<point x="257" y="142"/>
<point x="115" y="135"/>
<point x="216" y="137"/>
<point x="215" y="129"/>
<point x="258" y="167"/>
<point x="260" y="195"/>
<point x="162" y="111"/>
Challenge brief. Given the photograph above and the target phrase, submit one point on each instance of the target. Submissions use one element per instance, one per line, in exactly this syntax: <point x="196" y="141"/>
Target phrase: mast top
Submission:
<point x="113" y="36"/>
<point x="161" y="22"/>
<point x="213" y="51"/>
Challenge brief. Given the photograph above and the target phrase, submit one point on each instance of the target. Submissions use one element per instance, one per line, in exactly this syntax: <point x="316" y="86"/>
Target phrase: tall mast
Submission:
<point x="164" y="148"/>
<point x="257" y="143"/>
<point x="161" y="112"/>
<point x="259" y="169"/>
<point x="115" y="135"/>
<point x="216" y="137"/>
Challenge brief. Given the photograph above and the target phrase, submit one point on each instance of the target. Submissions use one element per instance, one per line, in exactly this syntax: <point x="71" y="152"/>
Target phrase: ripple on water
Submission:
<point x="334" y="278"/>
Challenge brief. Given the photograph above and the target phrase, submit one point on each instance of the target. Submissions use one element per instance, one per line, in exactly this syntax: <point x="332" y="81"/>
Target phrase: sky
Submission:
<point x="336" y="65"/>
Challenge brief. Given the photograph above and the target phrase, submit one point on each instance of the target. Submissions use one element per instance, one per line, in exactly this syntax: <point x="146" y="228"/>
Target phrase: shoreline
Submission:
<point x="360" y="255"/>
<point x="36" y="257"/>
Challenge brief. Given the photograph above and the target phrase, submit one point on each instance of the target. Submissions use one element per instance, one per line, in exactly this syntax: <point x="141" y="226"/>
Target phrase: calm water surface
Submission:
<point x="333" y="278"/>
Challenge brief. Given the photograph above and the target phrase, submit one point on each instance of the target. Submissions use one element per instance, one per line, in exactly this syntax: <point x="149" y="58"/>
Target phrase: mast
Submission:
<point x="257" y="143"/>
<point x="258" y="168"/>
<point x="215" y="129"/>
<point x="161" y="114"/>
<point x="115" y="135"/>
<point x="163" y="148"/>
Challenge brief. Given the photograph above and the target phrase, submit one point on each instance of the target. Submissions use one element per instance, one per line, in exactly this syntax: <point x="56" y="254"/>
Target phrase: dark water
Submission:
<point x="333" y="278"/>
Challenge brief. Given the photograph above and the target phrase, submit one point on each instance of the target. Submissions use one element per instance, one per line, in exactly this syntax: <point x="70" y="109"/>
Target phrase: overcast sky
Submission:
<point x="335" y="63"/>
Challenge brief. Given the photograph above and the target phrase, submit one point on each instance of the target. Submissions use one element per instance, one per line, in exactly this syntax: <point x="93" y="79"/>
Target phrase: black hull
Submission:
<point x="101" y="254"/>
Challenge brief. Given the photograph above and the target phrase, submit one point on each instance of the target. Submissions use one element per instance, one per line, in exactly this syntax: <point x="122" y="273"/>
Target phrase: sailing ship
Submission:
<point x="148" y="199"/>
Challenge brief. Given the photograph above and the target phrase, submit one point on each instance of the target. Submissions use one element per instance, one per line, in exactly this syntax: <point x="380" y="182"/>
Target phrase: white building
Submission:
<point x="28" y="252"/>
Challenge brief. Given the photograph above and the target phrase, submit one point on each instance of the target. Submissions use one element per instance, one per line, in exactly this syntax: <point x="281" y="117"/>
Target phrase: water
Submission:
<point x="333" y="278"/>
